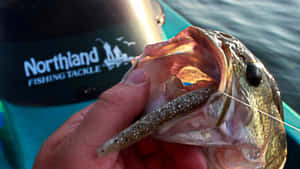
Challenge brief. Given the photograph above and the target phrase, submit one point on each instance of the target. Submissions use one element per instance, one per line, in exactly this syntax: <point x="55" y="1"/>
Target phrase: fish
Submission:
<point x="209" y="90"/>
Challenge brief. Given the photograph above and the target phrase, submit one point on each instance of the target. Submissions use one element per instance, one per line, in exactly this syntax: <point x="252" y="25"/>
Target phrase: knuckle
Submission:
<point x="111" y="98"/>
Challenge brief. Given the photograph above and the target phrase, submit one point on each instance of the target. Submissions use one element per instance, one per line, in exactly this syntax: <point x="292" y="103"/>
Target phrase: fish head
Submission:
<point x="235" y="128"/>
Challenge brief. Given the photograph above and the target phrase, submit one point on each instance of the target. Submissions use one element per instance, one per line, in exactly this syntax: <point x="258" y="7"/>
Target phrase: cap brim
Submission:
<point x="27" y="127"/>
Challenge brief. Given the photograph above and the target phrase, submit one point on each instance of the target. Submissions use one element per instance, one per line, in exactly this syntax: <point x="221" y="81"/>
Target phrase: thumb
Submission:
<point x="114" y="111"/>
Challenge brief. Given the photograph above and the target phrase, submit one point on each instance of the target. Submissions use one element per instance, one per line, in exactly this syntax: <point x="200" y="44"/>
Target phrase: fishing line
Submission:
<point x="289" y="93"/>
<point x="267" y="114"/>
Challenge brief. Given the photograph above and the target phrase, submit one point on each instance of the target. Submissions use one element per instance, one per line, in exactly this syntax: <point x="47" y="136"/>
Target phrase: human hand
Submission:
<point x="74" y="145"/>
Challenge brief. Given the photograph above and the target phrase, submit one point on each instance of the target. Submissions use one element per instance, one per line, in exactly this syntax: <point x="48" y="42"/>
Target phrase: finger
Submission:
<point x="169" y="163"/>
<point x="64" y="130"/>
<point x="119" y="164"/>
<point x="154" y="161"/>
<point x="186" y="157"/>
<point x="115" y="110"/>
<point x="131" y="159"/>
<point x="147" y="146"/>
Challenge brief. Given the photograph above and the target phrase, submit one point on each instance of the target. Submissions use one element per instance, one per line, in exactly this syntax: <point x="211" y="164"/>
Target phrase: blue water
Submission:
<point x="269" y="28"/>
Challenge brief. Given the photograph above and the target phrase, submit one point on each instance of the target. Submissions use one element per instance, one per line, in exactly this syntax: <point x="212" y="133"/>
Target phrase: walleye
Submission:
<point x="194" y="77"/>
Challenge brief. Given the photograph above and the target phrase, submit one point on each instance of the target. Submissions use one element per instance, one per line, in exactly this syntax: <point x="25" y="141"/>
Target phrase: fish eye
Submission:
<point x="253" y="74"/>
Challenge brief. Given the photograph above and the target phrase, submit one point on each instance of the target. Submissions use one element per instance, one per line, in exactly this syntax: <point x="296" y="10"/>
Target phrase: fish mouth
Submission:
<point x="207" y="67"/>
<point x="189" y="61"/>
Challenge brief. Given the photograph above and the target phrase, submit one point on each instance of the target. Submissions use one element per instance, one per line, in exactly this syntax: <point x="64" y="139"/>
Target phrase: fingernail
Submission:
<point x="136" y="77"/>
